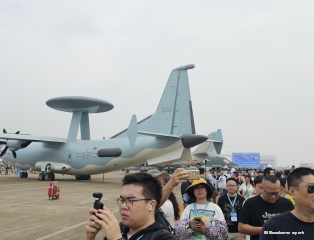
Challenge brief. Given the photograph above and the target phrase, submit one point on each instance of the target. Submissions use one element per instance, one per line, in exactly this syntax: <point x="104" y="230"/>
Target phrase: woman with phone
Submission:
<point x="202" y="219"/>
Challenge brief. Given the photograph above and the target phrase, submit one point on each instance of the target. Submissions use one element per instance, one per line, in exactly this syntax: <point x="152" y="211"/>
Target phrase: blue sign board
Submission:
<point x="246" y="160"/>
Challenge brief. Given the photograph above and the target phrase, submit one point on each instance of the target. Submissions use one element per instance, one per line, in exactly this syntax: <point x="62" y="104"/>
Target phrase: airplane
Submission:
<point x="206" y="150"/>
<point x="166" y="135"/>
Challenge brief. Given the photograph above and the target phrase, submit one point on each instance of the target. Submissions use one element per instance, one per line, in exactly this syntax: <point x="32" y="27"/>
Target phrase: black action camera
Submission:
<point x="97" y="203"/>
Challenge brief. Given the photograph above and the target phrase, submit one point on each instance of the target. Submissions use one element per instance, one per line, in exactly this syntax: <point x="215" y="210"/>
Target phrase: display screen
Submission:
<point x="246" y="160"/>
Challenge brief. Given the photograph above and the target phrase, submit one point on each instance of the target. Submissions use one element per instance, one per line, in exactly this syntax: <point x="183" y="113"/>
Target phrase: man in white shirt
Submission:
<point x="221" y="181"/>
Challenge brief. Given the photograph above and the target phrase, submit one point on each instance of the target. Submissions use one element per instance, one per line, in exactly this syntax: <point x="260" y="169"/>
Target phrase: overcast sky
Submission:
<point x="253" y="76"/>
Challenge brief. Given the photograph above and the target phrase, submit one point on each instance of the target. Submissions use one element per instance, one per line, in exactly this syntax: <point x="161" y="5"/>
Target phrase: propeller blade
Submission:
<point x="4" y="131"/>
<point x="24" y="145"/>
<point x="3" y="152"/>
<point x="14" y="154"/>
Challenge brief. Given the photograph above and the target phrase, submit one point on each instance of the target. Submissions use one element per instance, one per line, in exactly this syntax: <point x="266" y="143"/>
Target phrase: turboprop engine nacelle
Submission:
<point x="14" y="145"/>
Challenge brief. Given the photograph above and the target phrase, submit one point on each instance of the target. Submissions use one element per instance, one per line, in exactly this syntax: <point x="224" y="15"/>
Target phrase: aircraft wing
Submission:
<point x="33" y="138"/>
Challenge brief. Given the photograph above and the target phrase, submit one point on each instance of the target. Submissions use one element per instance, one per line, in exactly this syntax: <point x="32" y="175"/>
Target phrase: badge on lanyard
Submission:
<point x="234" y="217"/>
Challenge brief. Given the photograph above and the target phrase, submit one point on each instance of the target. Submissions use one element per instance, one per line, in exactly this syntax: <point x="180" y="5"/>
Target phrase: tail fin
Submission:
<point x="212" y="146"/>
<point x="174" y="114"/>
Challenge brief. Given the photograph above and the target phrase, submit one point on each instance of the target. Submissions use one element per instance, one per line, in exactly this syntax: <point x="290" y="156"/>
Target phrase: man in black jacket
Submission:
<point x="140" y="198"/>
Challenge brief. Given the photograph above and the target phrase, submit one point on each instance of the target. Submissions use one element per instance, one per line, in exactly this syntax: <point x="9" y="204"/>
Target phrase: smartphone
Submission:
<point x="194" y="174"/>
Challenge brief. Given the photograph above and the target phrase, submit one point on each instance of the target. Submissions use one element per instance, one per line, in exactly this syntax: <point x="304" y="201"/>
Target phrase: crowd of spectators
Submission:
<point x="248" y="201"/>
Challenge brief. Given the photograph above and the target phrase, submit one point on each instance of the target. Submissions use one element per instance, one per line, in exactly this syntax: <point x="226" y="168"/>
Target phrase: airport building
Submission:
<point x="270" y="160"/>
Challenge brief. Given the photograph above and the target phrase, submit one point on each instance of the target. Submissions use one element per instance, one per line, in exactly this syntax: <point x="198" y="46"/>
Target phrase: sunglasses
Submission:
<point x="310" y="189"/>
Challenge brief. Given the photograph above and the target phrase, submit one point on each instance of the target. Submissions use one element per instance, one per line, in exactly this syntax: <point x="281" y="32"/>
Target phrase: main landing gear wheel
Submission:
<point x="41" y="176"/>
<point x="23" y="174"/>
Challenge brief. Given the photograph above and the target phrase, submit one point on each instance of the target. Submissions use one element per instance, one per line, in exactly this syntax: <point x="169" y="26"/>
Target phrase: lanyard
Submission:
<point x="196" y="211"/>
<point x="137" y="238"/>
<point x="247" y="188"/>
<point x="232" y="203"/>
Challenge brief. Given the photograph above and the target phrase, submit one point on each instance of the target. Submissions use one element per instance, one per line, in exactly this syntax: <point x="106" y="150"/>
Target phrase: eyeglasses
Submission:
<point x="269" y="194"/>
<point x="310" y="188"/>
<point x="128" y="201"/>
<point x="231" y="185"/>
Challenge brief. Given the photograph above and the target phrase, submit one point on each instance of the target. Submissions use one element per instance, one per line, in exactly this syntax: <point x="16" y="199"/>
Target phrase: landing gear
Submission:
<point x="23" y="174"/>
<point x="41" y="176"/>
<point x="82" y="177"/>
<point x="46" y="176"/>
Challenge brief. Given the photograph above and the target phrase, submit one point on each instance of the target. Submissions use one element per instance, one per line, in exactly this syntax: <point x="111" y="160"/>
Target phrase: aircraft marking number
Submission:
<point x="167" y="109"/>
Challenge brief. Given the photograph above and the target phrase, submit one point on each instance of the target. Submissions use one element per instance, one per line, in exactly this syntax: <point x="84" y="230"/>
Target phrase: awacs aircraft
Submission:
<point x="166" y="135"/>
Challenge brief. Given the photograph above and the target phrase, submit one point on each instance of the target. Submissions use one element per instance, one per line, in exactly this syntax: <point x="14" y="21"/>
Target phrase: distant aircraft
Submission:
<point x="206" y="150"/>
<point x="167" y="135"/>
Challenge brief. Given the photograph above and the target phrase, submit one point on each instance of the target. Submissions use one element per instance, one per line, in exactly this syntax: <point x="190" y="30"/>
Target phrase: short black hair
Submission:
<point x="231" y="179"/>
<point x="202" y="170"/>
<point x="236" y="173"/>
<point x="267" y="171"/>
<point x="295" y="177"/>
<point x="270" y="178"/>
<point x="287" y="172"/>
<point x="258" y="180"/>
<point x="283" y="181"/>
<point x="151" y="187"/>
<point x="278" y="175"/>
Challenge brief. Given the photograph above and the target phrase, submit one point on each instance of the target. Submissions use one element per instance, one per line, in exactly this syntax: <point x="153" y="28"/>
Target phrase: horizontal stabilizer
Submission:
<point x="180" y="154"/>
<point x="158" y="134"/>
<point x="188" y="140"/>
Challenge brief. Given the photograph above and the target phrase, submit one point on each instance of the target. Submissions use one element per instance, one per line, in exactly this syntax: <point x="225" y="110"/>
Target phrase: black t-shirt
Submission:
<point x="226" y="208"/>
<point x="256" y="211"/>
<point x="287" y="223"/>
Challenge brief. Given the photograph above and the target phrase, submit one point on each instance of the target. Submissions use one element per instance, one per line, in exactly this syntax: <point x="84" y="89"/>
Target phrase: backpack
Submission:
<point x="161" y="218"/>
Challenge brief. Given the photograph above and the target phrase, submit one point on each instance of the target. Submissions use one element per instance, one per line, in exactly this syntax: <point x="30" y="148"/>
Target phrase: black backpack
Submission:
<point x="161" y="218"/>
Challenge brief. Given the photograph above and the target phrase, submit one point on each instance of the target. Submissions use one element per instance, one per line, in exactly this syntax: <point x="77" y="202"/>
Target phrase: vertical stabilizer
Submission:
<point x="212" y="146"/>
<point x="174" y="114"/>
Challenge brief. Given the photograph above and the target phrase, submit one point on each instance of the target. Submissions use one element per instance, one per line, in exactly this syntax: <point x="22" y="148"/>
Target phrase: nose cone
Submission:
<point x="191" y="140"/>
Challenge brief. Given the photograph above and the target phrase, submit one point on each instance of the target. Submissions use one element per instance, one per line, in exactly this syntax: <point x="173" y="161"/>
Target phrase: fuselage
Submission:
<point x="81" y="157"/>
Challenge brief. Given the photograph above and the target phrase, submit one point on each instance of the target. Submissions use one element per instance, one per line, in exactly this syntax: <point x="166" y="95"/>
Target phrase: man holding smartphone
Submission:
<point x="140" y="198"/>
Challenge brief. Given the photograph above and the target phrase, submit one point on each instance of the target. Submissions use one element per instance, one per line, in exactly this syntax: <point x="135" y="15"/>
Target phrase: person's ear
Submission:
<point x="292" y="192"/>
<point x="152" y="205"/>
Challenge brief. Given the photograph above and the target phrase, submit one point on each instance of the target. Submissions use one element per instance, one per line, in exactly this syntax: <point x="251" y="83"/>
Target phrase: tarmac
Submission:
<point x="26" y="213"/>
